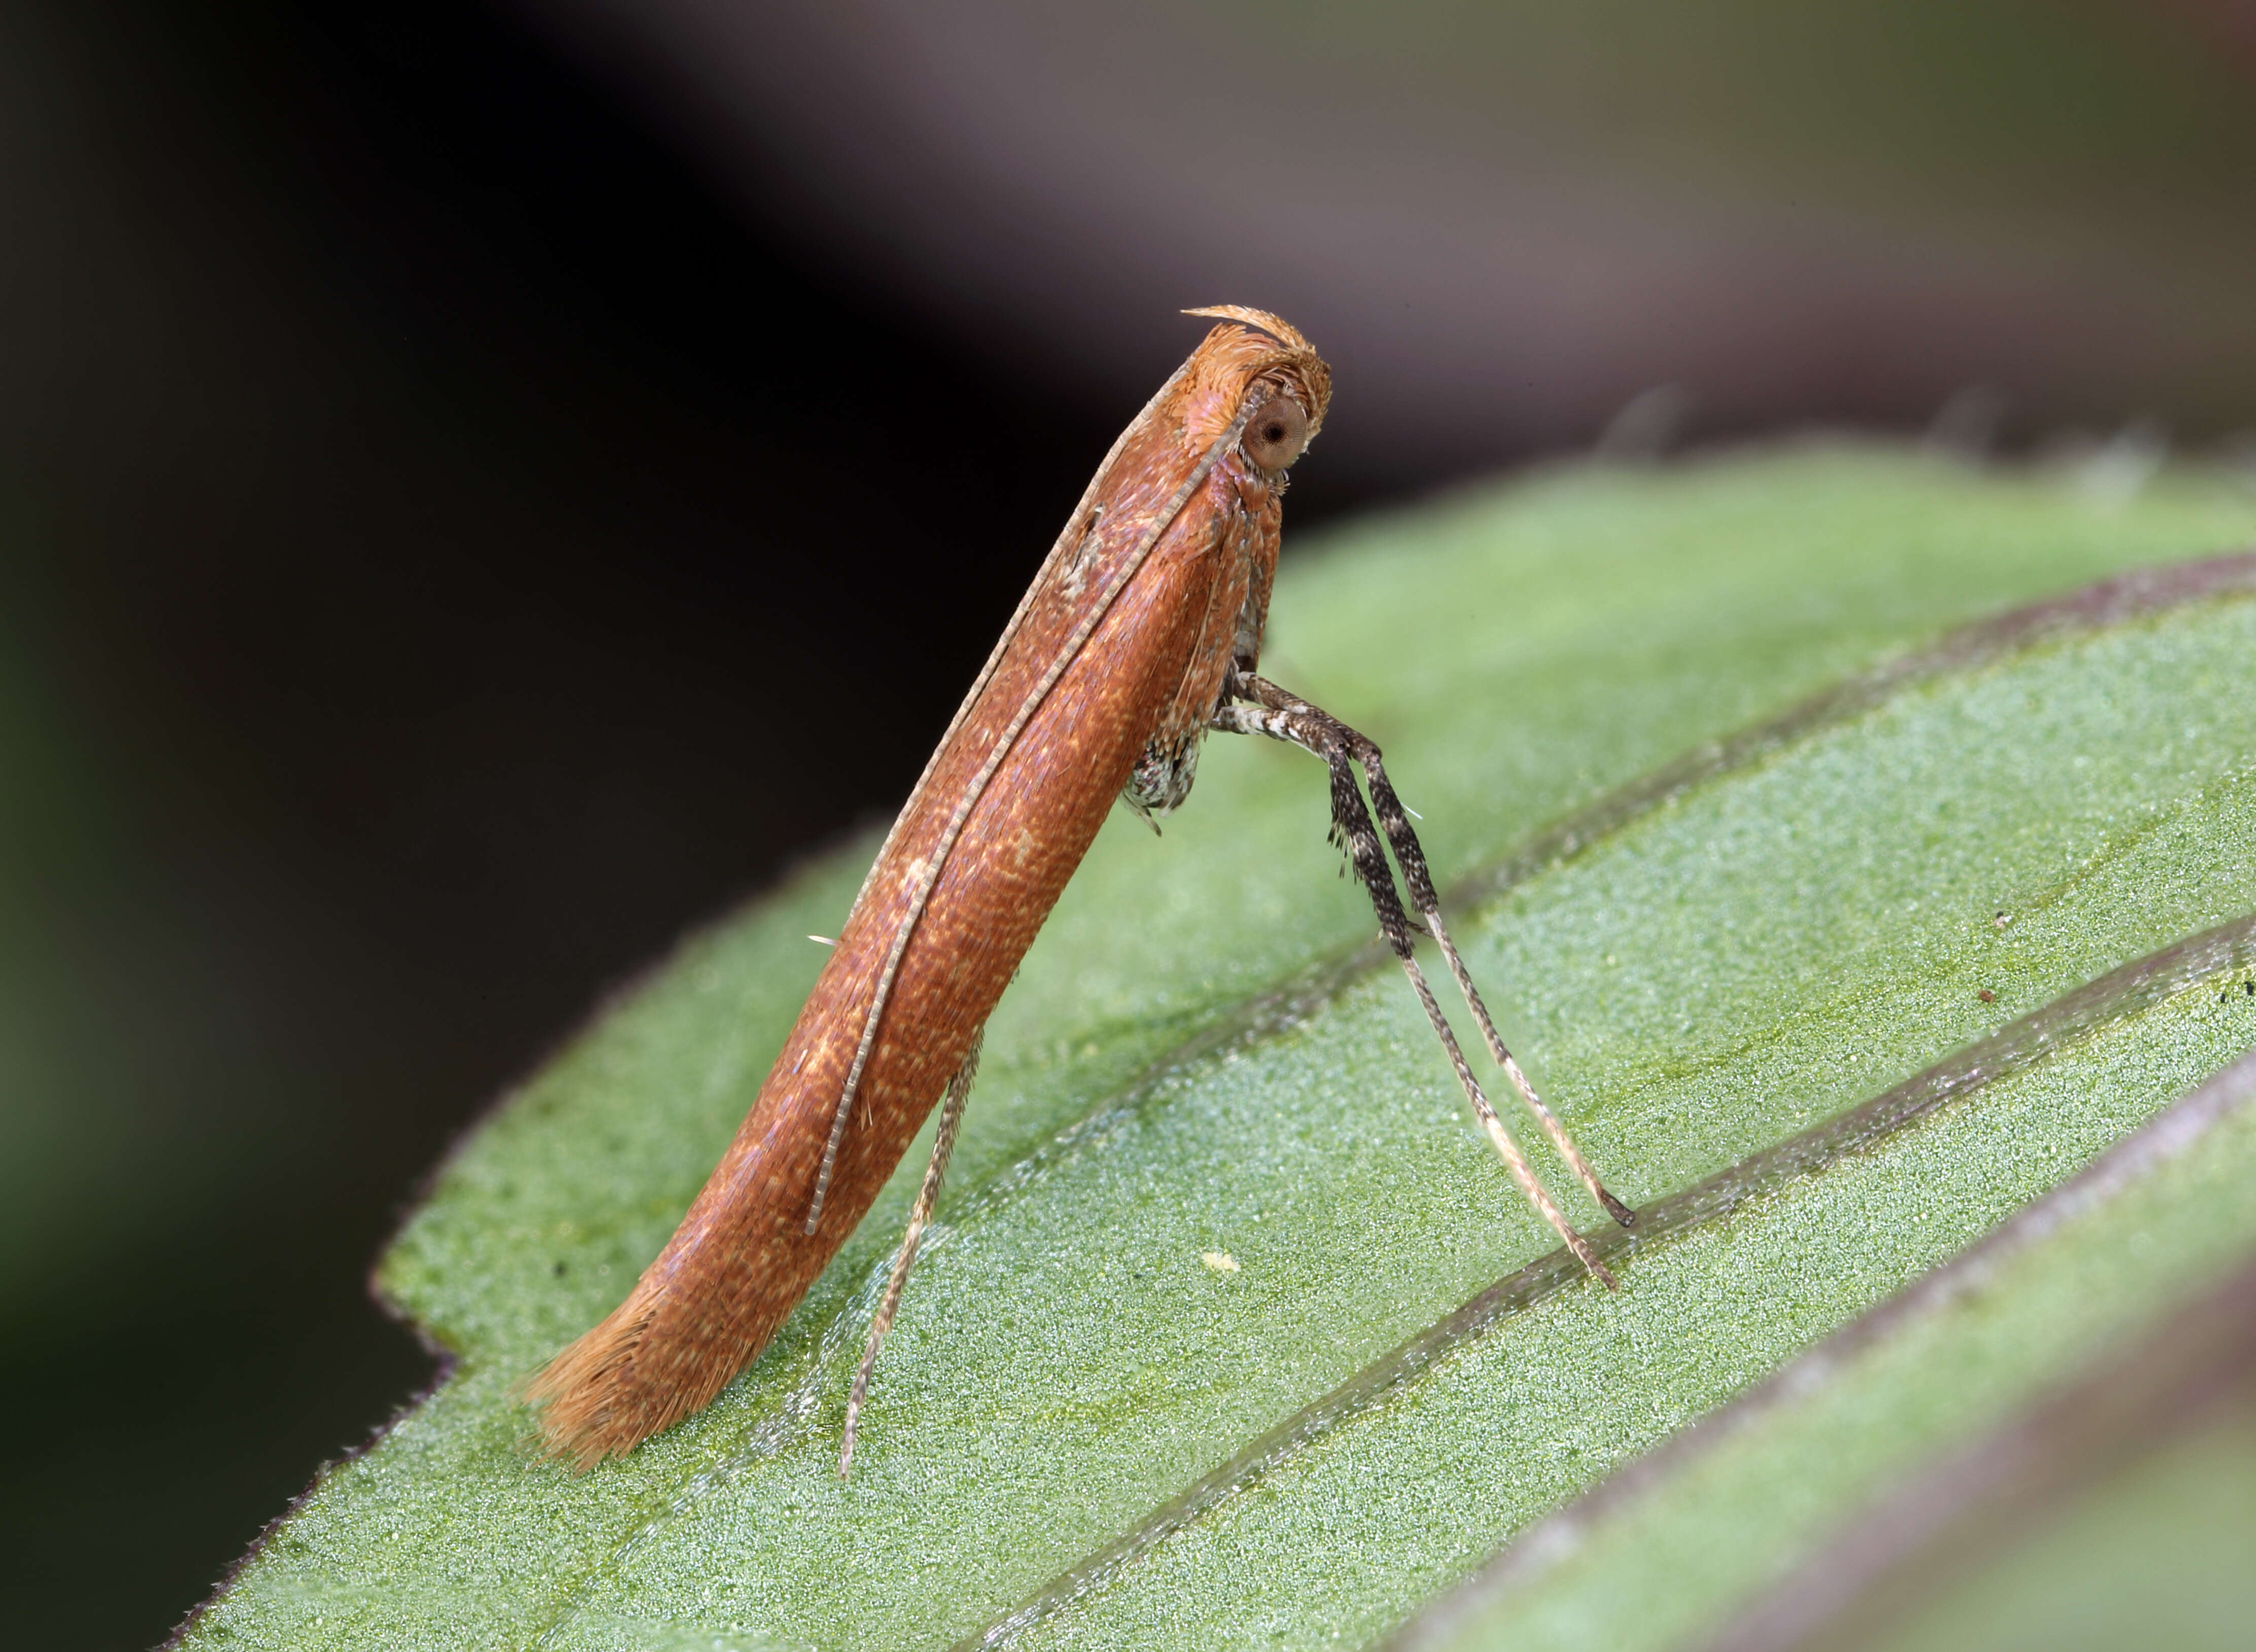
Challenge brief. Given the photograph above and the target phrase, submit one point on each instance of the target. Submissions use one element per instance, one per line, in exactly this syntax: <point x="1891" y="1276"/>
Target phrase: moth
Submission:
<point x="1141" y="635"/>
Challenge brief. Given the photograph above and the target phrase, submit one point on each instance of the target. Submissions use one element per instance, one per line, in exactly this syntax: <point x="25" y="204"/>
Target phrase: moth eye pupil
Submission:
<point x="1276" y="433"/>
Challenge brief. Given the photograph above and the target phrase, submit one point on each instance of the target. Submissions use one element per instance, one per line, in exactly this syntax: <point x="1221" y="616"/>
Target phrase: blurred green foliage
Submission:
<point x="2155" y="1554"/>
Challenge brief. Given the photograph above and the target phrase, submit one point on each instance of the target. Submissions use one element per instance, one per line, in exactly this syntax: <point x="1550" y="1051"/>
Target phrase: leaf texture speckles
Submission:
<point x="1194" y="1063"/>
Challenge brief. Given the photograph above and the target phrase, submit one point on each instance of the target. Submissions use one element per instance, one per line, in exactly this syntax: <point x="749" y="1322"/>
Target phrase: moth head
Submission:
<point x="1276" y="433"/>
<point x="1258" y="374"/>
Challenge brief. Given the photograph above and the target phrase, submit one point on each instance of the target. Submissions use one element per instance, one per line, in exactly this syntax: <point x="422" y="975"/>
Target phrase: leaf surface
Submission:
<point x="1199" y="1060"/>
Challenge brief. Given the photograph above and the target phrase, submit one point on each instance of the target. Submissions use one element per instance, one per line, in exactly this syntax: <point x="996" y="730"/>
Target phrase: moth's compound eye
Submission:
<point x="1276" y="433"/>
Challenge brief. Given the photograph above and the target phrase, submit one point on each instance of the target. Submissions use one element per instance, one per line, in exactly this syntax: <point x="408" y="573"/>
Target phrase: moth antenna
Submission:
<point x="1001" y="749"/>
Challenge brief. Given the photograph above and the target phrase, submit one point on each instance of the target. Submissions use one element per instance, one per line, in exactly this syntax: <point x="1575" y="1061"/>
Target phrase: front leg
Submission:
<point x="1286" y="717"/>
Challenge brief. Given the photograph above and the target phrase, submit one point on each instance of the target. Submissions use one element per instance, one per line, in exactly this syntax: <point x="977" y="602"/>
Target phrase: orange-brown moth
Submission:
<point x="1140" y="634"/>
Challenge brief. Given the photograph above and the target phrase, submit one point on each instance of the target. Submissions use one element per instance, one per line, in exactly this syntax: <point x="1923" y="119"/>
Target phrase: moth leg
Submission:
<point x="1299" y="724"/>
<point x="951" y="1117"/>
<point x="1394" y="820"/>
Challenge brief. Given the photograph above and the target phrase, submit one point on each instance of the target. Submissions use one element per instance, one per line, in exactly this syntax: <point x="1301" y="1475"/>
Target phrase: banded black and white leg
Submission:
<point x="1394" y="820"/>
<point x="1286" y="717"/>
<point x="951" y="1119"/>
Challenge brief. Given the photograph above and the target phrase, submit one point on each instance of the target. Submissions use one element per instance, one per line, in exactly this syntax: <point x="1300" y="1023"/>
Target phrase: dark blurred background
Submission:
<point x="482" y="488"/>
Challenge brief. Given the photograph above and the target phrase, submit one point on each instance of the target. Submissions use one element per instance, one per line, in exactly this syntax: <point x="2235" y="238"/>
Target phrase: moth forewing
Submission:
<point x="1141" y="627"/>
<point x="972" y="868"/>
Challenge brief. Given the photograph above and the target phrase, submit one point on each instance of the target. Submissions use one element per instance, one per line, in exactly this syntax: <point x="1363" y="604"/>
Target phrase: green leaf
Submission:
<point x="1081" y="1421"/>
